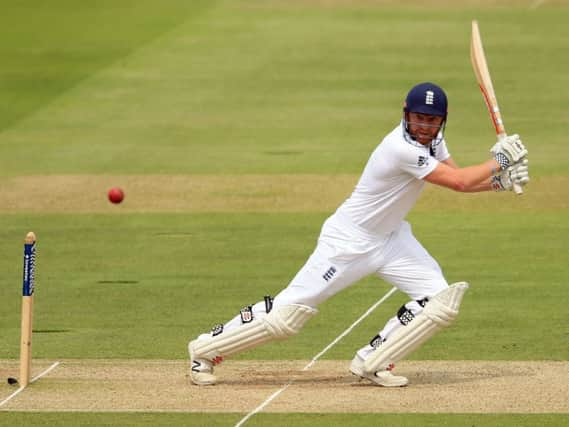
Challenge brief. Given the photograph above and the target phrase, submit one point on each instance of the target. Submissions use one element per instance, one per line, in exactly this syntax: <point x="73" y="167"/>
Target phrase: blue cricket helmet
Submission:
<point x="426" y="98"/>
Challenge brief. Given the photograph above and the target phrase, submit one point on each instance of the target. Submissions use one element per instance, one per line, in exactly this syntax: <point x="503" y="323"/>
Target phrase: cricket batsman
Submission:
<point x="368" y="235"/>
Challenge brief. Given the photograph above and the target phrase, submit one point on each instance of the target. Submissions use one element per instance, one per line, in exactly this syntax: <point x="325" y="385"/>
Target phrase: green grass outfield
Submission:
<point x="108" y="284"/>
<point x="271" y="88"/>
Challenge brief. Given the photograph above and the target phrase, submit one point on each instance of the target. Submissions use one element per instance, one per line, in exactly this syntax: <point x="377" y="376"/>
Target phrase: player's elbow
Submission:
<point x="458" y="184"/>
<point x="459" y="181"/>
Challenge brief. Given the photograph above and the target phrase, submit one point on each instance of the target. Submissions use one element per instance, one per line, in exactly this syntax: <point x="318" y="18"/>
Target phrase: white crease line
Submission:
<point x="37" y="377"/>
<point x="315" y="358"/>
<point x="47" y="371"/>
<point x="11" y="396"/>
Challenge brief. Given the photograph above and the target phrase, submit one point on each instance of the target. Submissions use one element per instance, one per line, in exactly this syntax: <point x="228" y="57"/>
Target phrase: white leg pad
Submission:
<point x="438" y="313"/>
<point x="280" y="323"/>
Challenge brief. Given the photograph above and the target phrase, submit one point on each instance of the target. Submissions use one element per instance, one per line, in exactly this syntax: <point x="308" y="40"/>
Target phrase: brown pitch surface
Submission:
<point x="163" y="385"/>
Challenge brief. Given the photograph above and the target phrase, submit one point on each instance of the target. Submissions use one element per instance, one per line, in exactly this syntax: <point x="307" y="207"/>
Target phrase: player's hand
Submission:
<point x="509" y="151"/>
<point x="519" y="174"/>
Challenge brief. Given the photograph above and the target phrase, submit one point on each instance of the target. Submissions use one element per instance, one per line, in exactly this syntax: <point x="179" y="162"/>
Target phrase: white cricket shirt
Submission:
<point x="390" y="183"/>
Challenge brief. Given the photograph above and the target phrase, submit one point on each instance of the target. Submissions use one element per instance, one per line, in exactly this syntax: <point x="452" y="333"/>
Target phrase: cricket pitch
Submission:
<point x="328" y="387"/>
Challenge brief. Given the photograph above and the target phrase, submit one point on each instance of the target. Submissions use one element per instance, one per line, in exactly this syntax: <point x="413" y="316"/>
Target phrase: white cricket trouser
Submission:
<point x="346" y="253"/>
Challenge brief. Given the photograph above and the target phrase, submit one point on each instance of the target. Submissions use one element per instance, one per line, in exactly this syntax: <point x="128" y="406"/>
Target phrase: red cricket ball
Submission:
<point x="116" y="195"/>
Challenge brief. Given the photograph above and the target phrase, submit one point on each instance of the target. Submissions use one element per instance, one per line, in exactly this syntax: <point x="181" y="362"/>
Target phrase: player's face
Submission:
<point x="424" y="127"/>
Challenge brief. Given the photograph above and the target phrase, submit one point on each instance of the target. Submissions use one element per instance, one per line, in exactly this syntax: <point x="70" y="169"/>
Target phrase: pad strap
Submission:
<point x="280" y="323"/>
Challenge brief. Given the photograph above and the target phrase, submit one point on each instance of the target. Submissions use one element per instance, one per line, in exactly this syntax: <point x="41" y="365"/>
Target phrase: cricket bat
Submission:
<point x="480" y="67"/>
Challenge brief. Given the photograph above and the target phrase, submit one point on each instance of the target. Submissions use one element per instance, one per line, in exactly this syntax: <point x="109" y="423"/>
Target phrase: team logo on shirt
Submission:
<point x="422" y="161"/>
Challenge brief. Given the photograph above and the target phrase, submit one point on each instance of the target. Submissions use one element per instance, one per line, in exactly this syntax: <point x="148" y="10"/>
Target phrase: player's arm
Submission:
<point x="468" y="179"/>
<point x="483" y="186"/>
<point x="509" y="159"/>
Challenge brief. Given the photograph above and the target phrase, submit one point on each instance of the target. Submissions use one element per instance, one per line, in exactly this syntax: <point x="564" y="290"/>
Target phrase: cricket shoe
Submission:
<point x="383" y="378"/>
<point x="201" y="371"/>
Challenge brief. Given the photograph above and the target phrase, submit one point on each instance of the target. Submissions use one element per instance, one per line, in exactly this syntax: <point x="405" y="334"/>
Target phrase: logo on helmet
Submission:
<point x="426" y="98"/>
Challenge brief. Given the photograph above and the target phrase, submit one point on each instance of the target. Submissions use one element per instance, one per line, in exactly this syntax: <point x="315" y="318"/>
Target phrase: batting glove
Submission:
<point x="519" y="174"/>
<point x="509" y="151"/>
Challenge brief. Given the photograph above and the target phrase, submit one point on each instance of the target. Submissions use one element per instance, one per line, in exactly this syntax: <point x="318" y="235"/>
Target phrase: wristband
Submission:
<point x="502" y="160"/>
<point x="496" y="184"/>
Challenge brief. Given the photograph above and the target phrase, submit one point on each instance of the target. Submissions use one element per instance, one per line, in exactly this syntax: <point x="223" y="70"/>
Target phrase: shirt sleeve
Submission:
<point x="415" y="161"/>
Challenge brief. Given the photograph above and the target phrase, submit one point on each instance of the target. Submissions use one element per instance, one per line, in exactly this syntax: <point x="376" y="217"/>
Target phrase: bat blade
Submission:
<point x="480" y="66"/>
